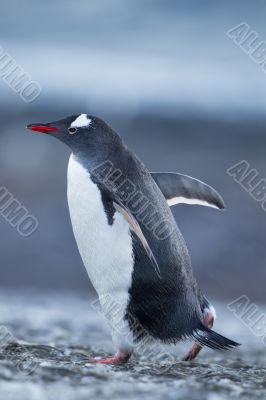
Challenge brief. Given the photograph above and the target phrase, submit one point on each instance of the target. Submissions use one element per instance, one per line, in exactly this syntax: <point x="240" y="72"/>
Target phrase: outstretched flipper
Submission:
<point x="178" y="188"/>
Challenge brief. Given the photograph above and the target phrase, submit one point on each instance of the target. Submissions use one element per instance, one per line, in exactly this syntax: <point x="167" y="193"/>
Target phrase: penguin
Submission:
<point x="130" y="244"/>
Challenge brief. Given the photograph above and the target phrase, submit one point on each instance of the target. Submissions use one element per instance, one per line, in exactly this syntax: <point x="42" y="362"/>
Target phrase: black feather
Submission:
<point x="212" y="339"/>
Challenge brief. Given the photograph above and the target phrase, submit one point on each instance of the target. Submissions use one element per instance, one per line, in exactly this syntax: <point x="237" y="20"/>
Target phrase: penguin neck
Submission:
<point x="88" y="160"/>
<point x="90" y="157"/>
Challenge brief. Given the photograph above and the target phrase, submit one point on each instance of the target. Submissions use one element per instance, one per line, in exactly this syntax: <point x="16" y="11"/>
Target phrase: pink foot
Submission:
<point x="208" y="320"/>
<point x="121" y="357"/>
<point x="193" y="352"/>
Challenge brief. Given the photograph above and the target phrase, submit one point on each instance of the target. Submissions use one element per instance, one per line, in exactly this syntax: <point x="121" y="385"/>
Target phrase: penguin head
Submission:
<point x="82" y="133"/>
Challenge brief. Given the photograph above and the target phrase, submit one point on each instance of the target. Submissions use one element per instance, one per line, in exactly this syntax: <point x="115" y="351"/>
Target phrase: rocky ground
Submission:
<point x="47" y="339"/>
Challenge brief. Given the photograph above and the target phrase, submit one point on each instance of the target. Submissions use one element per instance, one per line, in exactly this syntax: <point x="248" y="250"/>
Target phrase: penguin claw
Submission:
<point x="193" y="352"/>
<point x="110" y="360"/>
<point x="120" y="357"/>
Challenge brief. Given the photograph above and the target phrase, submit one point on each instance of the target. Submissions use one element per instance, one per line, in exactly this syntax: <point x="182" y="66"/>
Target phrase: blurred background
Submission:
<point x="183" y="96"/>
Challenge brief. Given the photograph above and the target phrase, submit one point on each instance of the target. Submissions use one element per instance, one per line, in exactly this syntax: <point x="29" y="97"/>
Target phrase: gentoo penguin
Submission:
<point x="133" y="251"/>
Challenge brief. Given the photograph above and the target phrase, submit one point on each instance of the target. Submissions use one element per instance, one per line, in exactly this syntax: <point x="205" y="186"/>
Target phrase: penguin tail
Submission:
<point x="207" y="337"/>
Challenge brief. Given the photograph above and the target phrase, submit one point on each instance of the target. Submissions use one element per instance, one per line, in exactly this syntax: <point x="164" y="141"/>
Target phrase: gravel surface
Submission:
<point x="51" y="337"/>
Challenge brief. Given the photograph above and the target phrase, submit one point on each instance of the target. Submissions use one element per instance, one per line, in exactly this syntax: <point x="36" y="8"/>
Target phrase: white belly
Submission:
<point x="106" y="250"/>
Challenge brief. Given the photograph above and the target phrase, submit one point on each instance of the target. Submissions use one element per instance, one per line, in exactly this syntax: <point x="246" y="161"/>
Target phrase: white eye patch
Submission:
<point x="81" y="122"/>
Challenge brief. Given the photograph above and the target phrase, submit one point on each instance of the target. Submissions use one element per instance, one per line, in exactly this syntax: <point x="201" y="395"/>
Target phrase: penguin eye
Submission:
<point x="71" y="131"/>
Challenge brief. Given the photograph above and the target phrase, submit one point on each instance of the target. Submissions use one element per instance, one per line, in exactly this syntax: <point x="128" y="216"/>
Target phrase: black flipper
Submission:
<point x="109" y="190"/>
<point x="178" y="188"/>
<point x="137" y="229"/>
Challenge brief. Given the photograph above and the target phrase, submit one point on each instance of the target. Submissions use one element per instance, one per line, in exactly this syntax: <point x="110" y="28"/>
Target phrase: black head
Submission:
<point x="86" y="135"/>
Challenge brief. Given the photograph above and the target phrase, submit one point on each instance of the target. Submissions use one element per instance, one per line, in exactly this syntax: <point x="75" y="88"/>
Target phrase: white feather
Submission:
<point x="210" y="310"/>
<point x="106" y="250"/>
<point x="184" y="200"/>
<point x="81" y="122"/>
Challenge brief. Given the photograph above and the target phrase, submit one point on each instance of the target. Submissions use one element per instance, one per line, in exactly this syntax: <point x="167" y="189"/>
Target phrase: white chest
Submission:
<point x="106" y="250"/>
